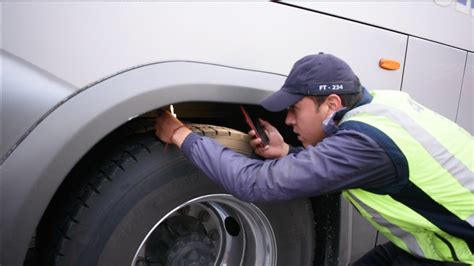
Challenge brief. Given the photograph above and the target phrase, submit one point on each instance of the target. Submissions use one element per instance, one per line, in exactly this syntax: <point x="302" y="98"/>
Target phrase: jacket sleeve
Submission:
<point x="347" y="159"/>
<point x="295" y="149"/>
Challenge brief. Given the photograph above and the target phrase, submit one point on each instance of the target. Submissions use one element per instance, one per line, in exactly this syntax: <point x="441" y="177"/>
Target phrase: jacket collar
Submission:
<point x="330" y="124"/>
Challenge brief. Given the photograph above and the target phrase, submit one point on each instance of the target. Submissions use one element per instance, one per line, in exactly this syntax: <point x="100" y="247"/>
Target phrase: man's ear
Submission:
<point x="334" y="102"/>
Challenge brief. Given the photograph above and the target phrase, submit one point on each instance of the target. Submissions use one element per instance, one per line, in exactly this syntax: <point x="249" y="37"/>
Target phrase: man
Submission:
<point x="406" y="169"/>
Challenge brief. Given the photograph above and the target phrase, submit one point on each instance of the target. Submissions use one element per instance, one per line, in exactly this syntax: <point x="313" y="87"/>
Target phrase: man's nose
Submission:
<point x="290" y="119"/>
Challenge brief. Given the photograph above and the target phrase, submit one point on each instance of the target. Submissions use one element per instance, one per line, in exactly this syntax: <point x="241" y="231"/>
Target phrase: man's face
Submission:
<point x="306" y="119"/>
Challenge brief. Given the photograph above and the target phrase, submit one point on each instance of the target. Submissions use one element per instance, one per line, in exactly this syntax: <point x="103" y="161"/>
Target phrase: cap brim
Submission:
<point x="280" y="100"/>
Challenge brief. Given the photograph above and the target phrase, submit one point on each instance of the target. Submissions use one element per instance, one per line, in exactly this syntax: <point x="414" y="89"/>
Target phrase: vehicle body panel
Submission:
<point x="110" y="37"/>
<point x="121" y="59"/>
<point x="38" y="165"/>
<point x="444" y="21"/>
<point x="35" y="95"/>
<point x="357" y="236"/>
<point x="465" y="116"/>
<point x="83" y="43"/>
<point x="433" y="75"/>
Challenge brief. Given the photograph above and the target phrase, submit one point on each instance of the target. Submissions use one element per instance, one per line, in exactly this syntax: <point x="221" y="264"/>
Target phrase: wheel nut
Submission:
<point x="203" y="216"/>
<point x="213" y="235"/>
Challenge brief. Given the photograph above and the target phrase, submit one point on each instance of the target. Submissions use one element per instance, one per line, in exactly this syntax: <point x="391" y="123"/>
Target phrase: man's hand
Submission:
<point x="169" y="129"/>
<point x="277" y="147"/>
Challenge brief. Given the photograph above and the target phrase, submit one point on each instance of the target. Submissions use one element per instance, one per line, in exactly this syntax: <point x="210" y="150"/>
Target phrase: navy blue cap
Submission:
<point x="317" y="75"/>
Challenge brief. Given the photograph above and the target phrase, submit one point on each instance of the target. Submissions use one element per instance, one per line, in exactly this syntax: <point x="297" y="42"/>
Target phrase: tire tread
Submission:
<point x="58" y="222"/>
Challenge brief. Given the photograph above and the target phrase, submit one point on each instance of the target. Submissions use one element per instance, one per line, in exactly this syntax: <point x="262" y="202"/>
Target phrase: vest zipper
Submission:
<point x="451" y="248"/>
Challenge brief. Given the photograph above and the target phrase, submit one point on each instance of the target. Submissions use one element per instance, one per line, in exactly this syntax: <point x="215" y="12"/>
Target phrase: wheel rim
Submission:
<point x="214" y="229"/>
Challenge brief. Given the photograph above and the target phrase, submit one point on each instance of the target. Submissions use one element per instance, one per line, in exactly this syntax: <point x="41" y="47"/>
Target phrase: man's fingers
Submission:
<point x="252" y="133"/>
<point x="266" y="124"/>
<point x="165" y="125"/>
<point x="264" y="148"/>
<point x="255" y="142"/>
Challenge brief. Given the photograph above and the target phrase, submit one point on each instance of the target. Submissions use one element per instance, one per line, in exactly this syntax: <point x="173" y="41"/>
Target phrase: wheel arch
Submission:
<point x="39" y="164"/>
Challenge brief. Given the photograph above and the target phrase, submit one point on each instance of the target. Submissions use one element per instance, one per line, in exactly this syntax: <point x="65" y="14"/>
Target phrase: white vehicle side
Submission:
<point x="75" y="72"/>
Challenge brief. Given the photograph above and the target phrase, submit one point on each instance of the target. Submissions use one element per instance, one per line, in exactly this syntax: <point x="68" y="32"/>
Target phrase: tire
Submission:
<point x="139" y="203"/>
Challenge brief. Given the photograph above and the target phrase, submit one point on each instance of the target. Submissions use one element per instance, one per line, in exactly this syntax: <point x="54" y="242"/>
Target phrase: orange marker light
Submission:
<point x="389" y="64"/>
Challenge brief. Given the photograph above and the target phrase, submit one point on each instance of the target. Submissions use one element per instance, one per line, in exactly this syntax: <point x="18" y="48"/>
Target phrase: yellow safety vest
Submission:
<point x="433" y="214"/>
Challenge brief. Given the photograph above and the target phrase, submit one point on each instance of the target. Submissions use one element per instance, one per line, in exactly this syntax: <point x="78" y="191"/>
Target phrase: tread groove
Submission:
<point x="74" y="220"/>
<point x="131" y="155"/>
<point x="94" y="189"/>
<point x="144" y="146"/>
<point x="118" y="164"/>
<point x="104" y="174"/>
<point x="83" y="202"/>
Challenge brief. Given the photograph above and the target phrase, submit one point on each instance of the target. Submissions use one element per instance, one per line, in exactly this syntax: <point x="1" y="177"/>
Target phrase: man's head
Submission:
<point x="317" y="86"/>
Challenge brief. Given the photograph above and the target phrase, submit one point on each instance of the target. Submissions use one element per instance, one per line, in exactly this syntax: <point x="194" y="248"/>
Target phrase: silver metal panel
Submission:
<point x="27" y="94"/>
<point x="84" y="42"/>
<point x="381" y="239"/>
<point x="465" y="115"/>
<point x="445" y="21"/>
<point x="345" y="231"/>
<point x="358" y="236"/>
<point x="364" y="236"/>
<point x="64" y="136"/>
<point x="1" y="25"/>
<point x="433" y="75"/>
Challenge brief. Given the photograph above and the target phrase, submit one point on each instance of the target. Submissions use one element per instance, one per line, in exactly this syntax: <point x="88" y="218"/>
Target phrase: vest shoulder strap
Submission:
<point x="396" y="156"/>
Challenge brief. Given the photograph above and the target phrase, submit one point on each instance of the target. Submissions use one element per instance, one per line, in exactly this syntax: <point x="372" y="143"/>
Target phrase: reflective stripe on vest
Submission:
<point x="460" y="170"/>
<point x="444" y="157"/>
<point x="406" y="237"/>
<point x="440" y="161"/>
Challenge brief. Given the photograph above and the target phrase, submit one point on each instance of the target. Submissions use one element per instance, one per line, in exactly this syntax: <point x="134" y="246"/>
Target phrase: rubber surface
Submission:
<point x="122" y="188"/>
